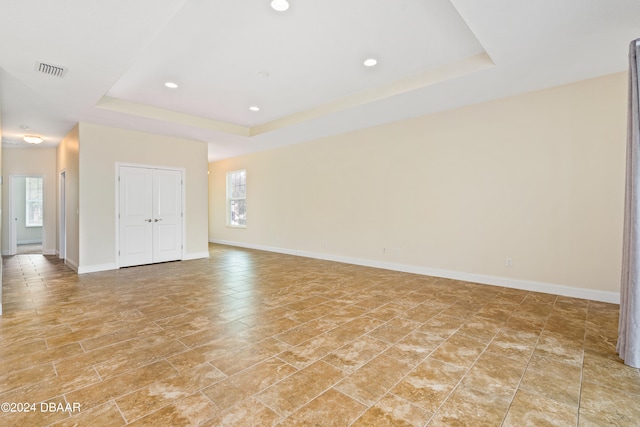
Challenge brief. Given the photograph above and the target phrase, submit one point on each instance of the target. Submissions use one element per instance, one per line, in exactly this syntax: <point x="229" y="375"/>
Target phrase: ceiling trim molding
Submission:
<point x="429" y="77"/>
<point x="148" y="111"/>
<point x="432" y="76"/>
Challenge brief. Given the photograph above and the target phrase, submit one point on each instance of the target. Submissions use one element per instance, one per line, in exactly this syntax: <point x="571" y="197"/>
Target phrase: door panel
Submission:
<point x="167" y="244"/>
<point x="136" y="216"/>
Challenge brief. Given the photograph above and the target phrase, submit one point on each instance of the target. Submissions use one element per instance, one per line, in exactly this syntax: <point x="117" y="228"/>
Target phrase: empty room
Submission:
<point x="328" y="213"/>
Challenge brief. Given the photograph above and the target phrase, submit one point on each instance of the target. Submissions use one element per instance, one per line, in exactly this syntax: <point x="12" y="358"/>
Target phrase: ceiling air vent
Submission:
<point x="52" y="70"/>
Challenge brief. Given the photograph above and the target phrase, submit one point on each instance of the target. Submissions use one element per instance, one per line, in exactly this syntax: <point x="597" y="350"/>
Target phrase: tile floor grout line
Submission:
<point x="459" y="381"/>
<point x="389" y="391"/>
<point x="584" y="343"/>
<point x="524" y="372"/>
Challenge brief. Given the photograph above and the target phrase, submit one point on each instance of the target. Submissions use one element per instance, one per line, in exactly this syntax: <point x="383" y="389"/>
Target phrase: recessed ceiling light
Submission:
<point x="254" y="108"/>
<point x="33" y="139"/>
<point x="370" y="62"/>
<point x="263" y="74"/>
<point x="280" y="5"/>
<point x="24" y="127"/>
<point x="171" y="85"/>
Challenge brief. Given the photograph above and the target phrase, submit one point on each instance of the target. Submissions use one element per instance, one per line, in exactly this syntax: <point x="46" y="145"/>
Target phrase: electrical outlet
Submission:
<point x="509" y="262"/>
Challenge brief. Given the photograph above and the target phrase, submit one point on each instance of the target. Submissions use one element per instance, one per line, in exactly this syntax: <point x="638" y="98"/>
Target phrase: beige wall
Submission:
<point x="101" y="148"/>
<point x="33" y="162"/>
<point x="68" y="160"/>
<point x="537" y="178"/>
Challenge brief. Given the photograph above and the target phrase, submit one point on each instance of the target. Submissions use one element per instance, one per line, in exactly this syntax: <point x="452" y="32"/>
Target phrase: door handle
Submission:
<point x="156" y="220"/>
<point x="148" y="220"/>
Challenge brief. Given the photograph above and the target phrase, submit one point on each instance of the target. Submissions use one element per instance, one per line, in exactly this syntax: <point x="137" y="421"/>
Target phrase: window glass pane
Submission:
<point x="34" y="214"/>
<point x="238" y="185"/>
<point x="238" y="212"/>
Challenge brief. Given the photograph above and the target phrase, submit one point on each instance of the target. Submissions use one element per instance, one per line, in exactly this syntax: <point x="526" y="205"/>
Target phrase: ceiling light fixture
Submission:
<point x="254" y="108"/>
<point x="33" y="139"/>
<point x="280" y="5"/>
<point x="171" y="85"/>
<point x="370" y="62"/>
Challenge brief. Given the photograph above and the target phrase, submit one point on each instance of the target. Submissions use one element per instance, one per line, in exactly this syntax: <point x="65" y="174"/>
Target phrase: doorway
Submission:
<point x="150" y="215"/>
<point x="26" y="207"/>
<point x="62" y="226"/>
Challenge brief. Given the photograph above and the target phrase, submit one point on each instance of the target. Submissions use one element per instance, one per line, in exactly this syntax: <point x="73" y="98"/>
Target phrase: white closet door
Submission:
<point x="150" y="213"/>
<point x="167" y="221"/>
<point x="136" y="216"/>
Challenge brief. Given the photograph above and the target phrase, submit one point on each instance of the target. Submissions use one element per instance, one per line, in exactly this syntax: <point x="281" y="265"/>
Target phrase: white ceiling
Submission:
<point x="432" y="55"/>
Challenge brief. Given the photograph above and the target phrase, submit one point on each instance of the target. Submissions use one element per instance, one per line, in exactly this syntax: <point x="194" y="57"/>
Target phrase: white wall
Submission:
<point x="68" y="160"/>
<point x="32" y="162"/>
<point x="537" y="178"/>
<point x="101" y="148"/>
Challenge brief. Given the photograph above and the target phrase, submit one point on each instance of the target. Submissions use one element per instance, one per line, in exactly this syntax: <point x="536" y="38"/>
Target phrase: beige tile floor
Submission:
<point x="250" y="338"/>
<point x="29" y="249"/>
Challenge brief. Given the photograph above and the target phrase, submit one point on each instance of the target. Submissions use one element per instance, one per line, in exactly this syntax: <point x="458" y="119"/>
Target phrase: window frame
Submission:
<point x="29" y="202"/>
<point x="230" y="199"/>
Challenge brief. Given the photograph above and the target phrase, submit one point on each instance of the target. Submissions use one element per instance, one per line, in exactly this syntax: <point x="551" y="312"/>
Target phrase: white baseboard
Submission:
<point x="112" y="266"/>
<point x="195" y="255"/>
<point x="71" y="264"/>
<point x="95" y="268"/>
<point x="527" y="285"/>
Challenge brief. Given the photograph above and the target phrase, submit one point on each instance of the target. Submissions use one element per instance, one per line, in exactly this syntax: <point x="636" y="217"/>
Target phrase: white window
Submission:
<point x="237" y="198"/>
<point x="33" y="199"/>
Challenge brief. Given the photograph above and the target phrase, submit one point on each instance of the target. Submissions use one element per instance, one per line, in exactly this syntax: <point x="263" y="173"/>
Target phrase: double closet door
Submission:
<point x="150" y="215"/>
